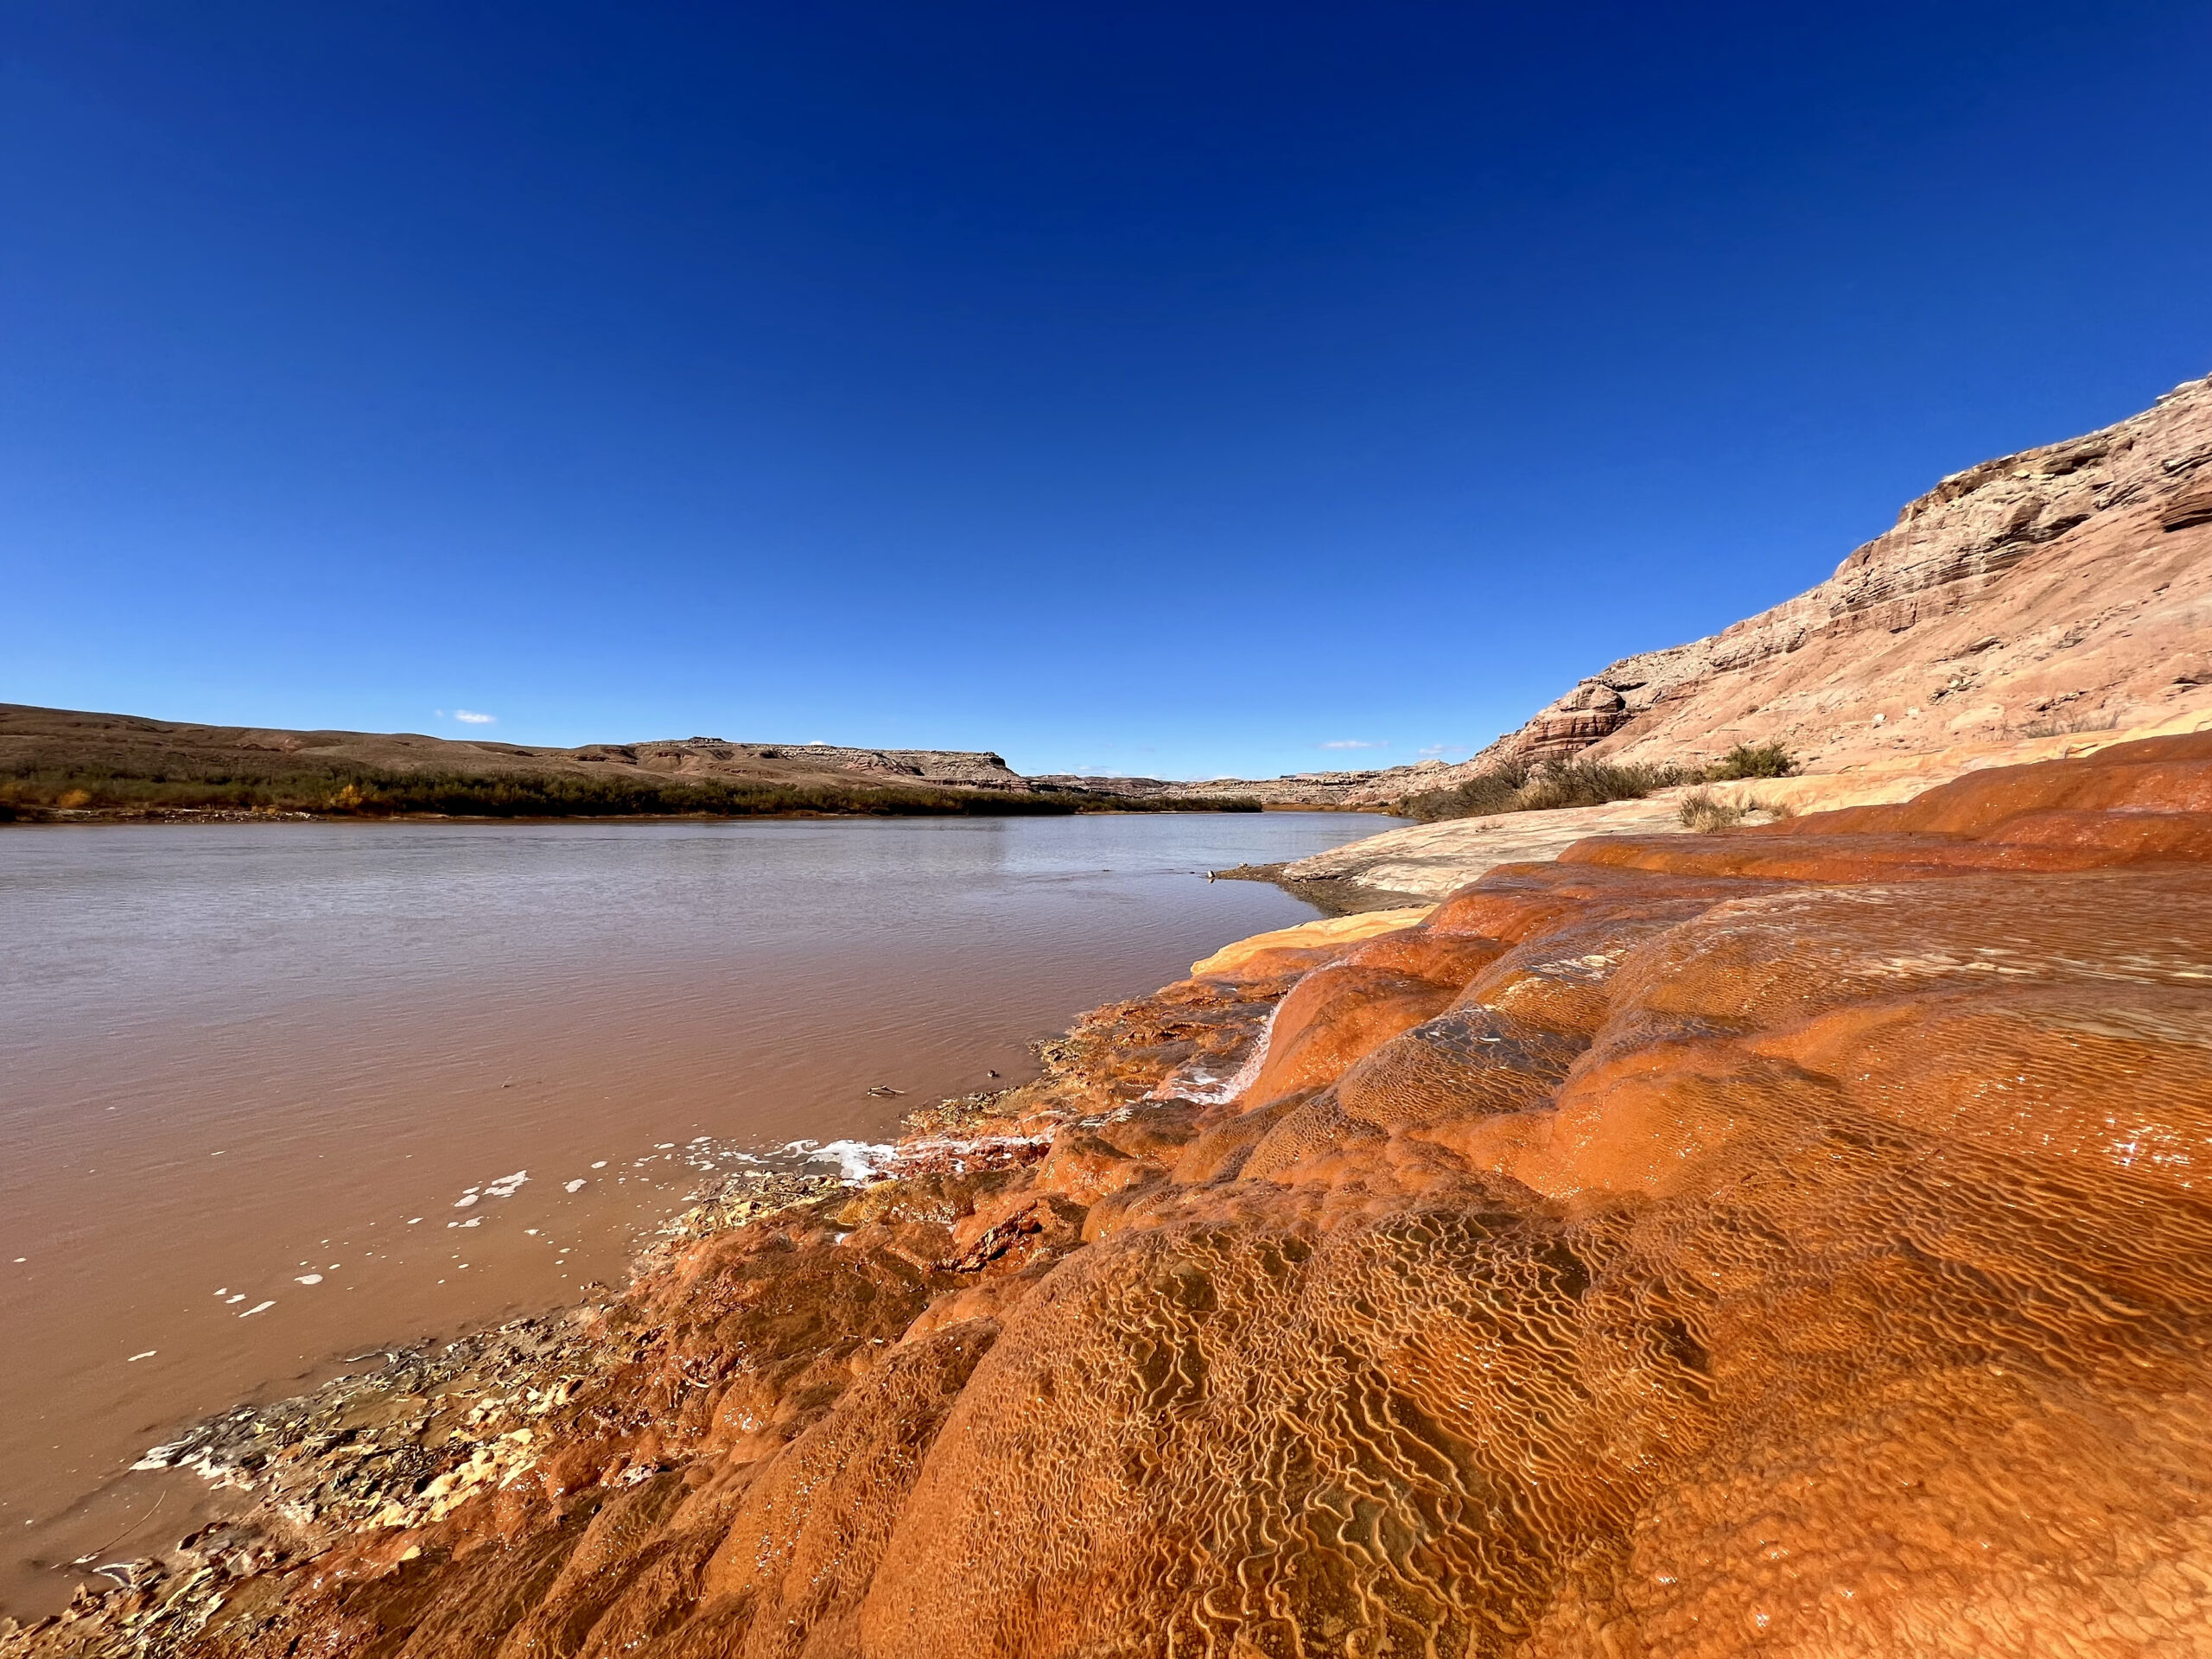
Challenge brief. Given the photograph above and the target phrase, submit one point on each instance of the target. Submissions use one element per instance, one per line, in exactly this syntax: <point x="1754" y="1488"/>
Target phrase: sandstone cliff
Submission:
<point x="2068" y="587"/>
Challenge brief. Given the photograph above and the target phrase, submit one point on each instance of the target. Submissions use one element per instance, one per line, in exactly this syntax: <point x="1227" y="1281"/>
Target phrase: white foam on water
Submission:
<point x="258" y="1307"/>
<point x="856" y="1160"/>
<point x="308" y="1279"/>
<point x="464" y="1201"/>
<point x="507" y="1185"/>
<point x="577" y="1186"/>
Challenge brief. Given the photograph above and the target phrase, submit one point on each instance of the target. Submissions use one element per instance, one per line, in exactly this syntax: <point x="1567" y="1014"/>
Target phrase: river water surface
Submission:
<point x="251" y="1074"/>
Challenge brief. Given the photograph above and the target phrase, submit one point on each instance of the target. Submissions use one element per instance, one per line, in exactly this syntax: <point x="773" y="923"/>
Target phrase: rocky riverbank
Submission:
<point x="1427" y="860"/>
<point x="1785" y="1238"/>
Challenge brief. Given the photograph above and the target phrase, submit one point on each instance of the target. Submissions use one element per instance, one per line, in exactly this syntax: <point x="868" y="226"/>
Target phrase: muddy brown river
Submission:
<point x="276" y="1095"/>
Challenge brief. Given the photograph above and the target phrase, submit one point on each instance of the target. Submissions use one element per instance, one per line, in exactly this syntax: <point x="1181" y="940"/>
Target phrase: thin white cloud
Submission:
<point x="473" y="718"/>
<point x="1354" y="743"/>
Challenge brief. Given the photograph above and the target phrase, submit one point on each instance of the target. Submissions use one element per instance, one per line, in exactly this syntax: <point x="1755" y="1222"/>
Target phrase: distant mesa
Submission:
<point x="61" y="763"/>
<point x="70" y="761"/>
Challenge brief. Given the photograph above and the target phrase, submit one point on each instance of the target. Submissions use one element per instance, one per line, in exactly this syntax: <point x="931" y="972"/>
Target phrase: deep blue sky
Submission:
<point x="1179" y="388"/>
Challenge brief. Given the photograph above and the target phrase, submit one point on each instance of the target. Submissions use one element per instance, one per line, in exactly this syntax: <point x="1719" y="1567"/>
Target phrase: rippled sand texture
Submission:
<point x="1784" y="1241"/>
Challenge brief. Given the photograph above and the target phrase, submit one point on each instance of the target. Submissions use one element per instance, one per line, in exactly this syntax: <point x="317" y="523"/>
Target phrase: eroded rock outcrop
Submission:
<point x="2067" y="586"/>
<point x="2066" y="589"/>
<point x="1795" y="1239"/>
<point x="1427" y="860"/>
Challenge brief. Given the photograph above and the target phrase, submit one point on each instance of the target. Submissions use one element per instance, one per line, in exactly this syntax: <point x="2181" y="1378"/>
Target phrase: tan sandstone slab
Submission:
<point x="1332" y="929"/>
<point x="1431" y="859"/>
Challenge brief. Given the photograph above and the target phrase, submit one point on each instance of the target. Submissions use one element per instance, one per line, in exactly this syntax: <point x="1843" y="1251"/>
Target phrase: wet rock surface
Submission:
<point x="1786" y="1239"/>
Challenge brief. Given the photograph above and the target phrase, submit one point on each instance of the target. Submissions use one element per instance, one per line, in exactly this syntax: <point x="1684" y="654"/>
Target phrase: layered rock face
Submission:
<point x="2065" y="587"/>
<point x="1790" y="1240"/>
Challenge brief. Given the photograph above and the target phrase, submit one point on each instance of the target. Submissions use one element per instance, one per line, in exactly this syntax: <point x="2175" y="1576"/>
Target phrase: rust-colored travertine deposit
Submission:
<point x="1792" y="1240"/>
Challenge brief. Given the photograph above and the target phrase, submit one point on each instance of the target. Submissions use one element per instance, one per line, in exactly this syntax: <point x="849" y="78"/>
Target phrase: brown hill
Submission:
<point x="63" y="741"/>
<point x="55" y="760"/>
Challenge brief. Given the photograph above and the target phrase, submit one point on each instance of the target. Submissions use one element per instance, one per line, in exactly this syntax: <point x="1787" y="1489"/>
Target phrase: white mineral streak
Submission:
<point x="1196" y="1082"/>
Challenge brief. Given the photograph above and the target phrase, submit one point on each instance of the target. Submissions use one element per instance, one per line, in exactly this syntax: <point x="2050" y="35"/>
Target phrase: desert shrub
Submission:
<point x="1488" y="791"/>
<point x="1493" y="790"/>
<point x="1751" y="760"/>
<point x="1511" y="787"/>
<point x="1593" y="783"/>
<point x="2070" y="726"/>
<point x="1702" y="812"/>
